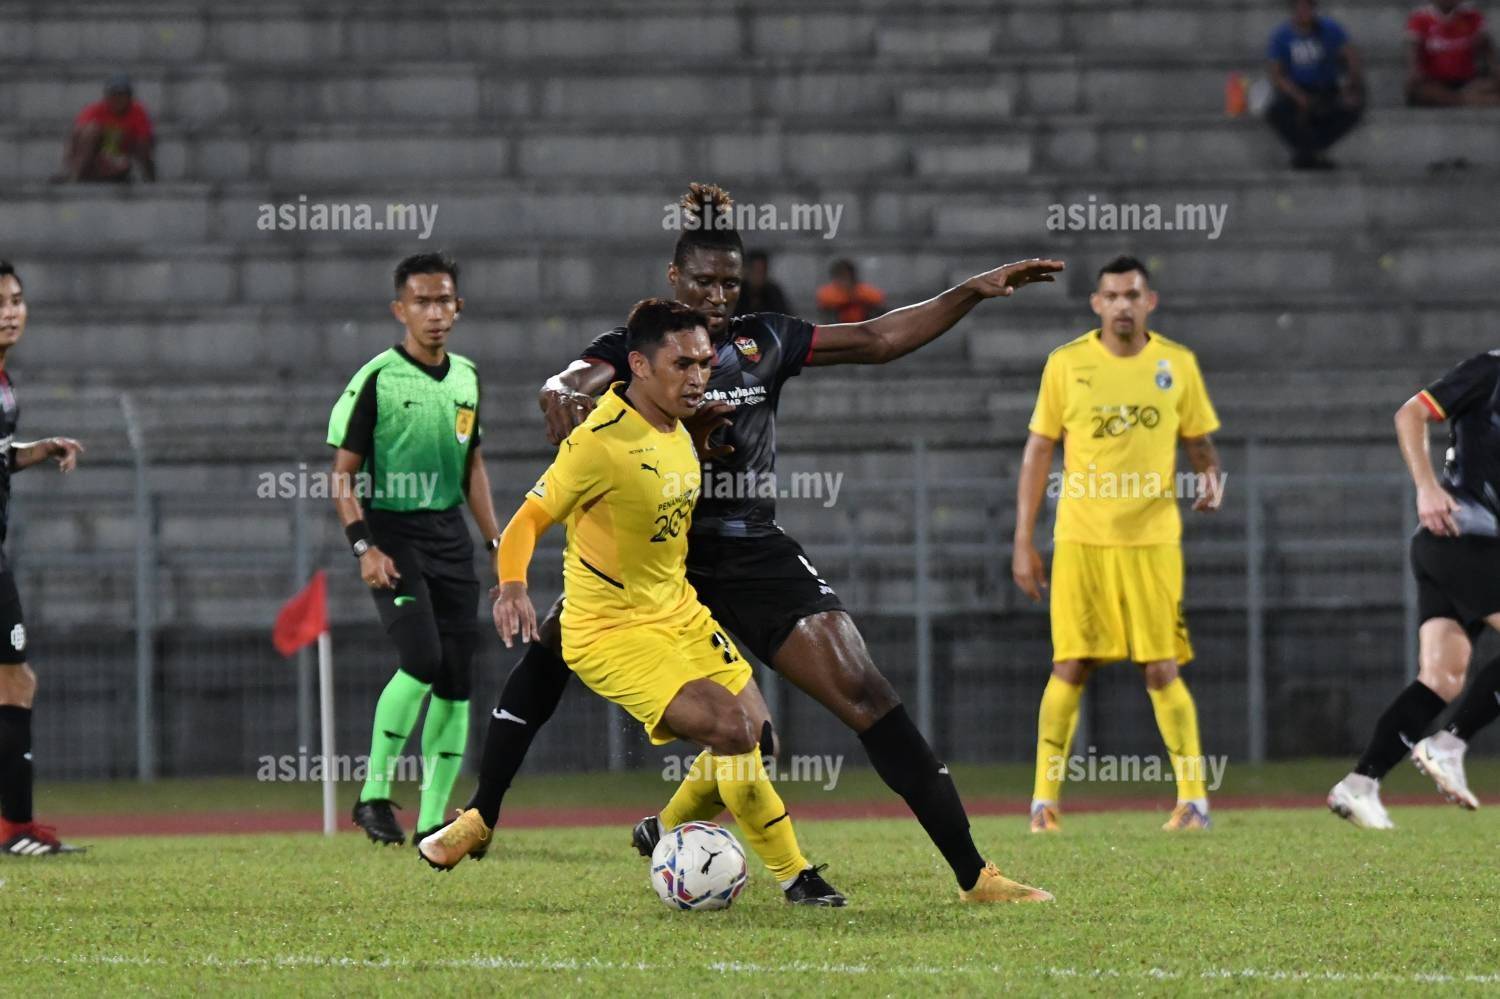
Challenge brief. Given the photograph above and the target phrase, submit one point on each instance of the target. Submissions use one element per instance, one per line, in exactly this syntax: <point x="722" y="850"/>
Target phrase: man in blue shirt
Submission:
<point x="1320" y="91"/>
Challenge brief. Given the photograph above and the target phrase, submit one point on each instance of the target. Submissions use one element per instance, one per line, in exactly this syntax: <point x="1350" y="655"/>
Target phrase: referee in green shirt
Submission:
<point x="407" y="434"/>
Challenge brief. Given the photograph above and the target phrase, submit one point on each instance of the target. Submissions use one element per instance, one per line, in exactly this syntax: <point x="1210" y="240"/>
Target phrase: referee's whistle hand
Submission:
<point x="377" y="570"/>
<point x="1027" y="570"/>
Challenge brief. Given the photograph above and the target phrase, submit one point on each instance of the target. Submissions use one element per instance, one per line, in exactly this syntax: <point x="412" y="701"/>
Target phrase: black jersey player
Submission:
<point x="20" y="834"/>
<point x="743" y="566"/>
<point x="1455" y="556"/>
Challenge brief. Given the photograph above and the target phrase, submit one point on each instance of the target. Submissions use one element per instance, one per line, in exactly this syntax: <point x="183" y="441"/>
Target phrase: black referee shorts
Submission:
<point x="435" y="557"/>
<point x="758" y="588"/>
<point x="1457" y="578"/>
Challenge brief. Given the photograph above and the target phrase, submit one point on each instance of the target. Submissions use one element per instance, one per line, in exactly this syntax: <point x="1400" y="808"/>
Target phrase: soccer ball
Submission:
<point x="698" y="865"/>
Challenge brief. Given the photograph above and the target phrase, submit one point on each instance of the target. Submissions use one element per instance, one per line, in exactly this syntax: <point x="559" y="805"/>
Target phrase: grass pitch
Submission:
<point x="1267" y="900"/>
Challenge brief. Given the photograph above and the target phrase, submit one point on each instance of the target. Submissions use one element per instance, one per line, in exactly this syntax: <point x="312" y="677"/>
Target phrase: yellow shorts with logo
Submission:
<point x="642" y="667"/>
<point x="1116" y="603"/>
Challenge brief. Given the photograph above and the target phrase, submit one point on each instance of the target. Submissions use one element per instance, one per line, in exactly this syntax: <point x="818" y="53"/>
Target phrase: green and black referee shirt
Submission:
<point x="415" y="424"/>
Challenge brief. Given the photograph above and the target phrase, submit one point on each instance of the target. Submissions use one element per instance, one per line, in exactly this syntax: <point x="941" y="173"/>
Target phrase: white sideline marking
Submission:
<point x="487" y="963"/>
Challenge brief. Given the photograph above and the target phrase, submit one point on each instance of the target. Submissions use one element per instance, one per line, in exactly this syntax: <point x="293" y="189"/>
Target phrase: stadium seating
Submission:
<point x="552" y="136"/>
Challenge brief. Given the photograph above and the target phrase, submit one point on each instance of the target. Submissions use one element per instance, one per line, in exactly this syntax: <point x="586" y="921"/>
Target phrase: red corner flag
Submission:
<point x="303" y="618"/>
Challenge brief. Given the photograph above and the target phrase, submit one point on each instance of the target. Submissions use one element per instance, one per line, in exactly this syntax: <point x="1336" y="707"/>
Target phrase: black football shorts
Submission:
<point x="1457" y="578"/>
<point x="758" y="588"/>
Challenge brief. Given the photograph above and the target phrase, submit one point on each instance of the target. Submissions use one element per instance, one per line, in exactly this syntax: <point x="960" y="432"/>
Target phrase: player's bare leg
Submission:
<point x="825" y="656"/>
<point x="1441" y="755"/>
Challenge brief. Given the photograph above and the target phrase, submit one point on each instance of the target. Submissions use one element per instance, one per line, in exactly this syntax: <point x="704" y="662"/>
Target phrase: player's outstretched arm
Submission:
<point x="1435" y="506"/>
<point x="567" y="398"/>
<point x="1204" y="458"/>
<point x="513" y="611"/>
<point x="901" y="331"/>
<point x="1026" y="562"/>
<point x="65" y="450"/>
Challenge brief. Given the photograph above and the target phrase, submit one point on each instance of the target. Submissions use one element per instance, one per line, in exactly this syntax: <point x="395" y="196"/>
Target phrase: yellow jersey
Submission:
<point x="1120" y="419"/>
<point x="626" y="492"/>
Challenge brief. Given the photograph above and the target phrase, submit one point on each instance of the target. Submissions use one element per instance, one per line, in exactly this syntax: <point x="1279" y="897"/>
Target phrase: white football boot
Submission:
<point x="1357" y="798"/>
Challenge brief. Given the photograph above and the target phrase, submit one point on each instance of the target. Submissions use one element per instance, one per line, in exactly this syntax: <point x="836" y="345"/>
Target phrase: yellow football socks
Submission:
<point x="1177" y="717"/>
<point x="696" y="798"/>
<point x="763" y="820"/>
<point x="1056" y="722"/>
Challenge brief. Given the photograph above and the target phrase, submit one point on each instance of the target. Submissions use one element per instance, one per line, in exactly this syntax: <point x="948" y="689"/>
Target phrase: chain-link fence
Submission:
<point x="150" y="591"/>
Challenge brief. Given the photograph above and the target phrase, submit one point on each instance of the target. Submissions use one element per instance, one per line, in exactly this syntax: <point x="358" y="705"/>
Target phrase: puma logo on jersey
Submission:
<point x="651" y="468"/>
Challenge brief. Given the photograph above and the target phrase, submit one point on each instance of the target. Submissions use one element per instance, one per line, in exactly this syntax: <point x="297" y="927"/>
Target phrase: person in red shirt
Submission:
<point x="1448" y="56"/>
<point x="846" y="299"/>
<point x="110" y="136"/>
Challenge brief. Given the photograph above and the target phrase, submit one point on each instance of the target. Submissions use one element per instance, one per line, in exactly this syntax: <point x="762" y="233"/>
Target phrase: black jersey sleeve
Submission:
<point x="795" y="338"/>
<point x="359" y="432"/>
<point x="611" y="348"/>
<point x="1471" y="382"/>
<point x="478" y="410"/>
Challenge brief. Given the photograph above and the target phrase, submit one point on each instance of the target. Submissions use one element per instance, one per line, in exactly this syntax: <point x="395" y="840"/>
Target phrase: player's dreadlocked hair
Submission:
<point x="707" y="222"/>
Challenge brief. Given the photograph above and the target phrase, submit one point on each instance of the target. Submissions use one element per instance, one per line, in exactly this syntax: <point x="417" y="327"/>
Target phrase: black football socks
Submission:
<point x="1403" y="723"/>
<point x="904" y="760"/>
<point x="15" y="764"/>
<point x="531" y="694"/>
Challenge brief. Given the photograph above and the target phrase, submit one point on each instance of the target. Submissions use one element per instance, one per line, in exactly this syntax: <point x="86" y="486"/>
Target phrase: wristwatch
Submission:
<point x="493" y="544"/>
<point x="360" y="547"/>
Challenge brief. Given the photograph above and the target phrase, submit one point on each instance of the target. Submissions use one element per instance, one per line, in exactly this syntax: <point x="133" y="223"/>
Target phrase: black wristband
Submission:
<point x="358" y="535"/>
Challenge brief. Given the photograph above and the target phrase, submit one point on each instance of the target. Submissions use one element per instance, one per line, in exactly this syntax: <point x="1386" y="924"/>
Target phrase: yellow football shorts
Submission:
<point x="1114" y="603"/>
<point x="642" y="667"/>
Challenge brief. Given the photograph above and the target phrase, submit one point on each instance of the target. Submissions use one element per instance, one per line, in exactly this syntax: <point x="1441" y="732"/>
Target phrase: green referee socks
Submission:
<point x="445" y="733"/>
<point x="395" y="714"/>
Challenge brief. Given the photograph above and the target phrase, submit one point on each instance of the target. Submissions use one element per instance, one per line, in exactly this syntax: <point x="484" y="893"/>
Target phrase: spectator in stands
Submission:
<point x="845" y="298"/>
<point x="1320" y="89"/>
<point x="760" y="293"/>
<point x="110" y="137"/>
<point x="1449" y="57"/>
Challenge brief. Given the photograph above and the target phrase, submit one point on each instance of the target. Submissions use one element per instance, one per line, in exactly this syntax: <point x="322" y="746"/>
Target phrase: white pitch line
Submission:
<point x="502" y="963"/>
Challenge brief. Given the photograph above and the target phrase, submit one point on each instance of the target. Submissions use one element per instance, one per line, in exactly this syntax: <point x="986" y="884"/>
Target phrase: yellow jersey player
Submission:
<point x="625" y="481"/>
<point x="1119" y="398"/>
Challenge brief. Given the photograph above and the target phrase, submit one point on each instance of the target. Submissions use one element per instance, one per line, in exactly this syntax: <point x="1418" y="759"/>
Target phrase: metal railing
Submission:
<point x="922" y="561"/>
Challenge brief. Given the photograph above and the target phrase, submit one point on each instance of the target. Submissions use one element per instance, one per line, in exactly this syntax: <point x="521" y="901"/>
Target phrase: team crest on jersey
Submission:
<point x="1164" y="374"/>
<point x="463" y="424"/>
<point x="18" y="637"/>
<point x="748" y="347"/>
